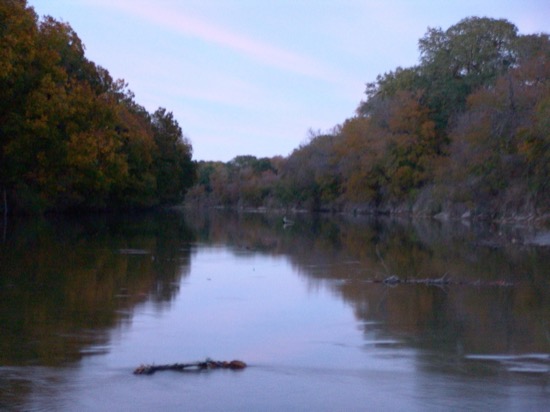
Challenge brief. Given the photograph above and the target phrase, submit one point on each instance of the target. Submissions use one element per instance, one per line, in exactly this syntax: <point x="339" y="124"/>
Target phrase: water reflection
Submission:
<point x="497" y="300"/>
<point x="65" y="282"/>
<point x="66" y="285"/>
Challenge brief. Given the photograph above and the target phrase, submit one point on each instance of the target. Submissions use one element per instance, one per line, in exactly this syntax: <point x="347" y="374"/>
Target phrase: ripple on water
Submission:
<point x="535" y="363"/>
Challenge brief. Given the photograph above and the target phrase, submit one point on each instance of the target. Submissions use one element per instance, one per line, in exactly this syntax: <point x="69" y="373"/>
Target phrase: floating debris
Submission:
<point x="442" y="281"/>
<point x="392" y="280"/>
<point x="529" y="363"/>
<point x="134" y="252"/>
<point x="287" y="222"/>
<point x="194" y="366"/>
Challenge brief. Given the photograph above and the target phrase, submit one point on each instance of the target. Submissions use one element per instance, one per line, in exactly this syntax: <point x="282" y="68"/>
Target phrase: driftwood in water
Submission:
<point x="195" y="366"/>
<point x="442" y="281"/>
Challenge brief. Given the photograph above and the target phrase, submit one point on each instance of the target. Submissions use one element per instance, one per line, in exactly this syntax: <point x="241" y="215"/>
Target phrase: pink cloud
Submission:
<point x="187" y="25"/>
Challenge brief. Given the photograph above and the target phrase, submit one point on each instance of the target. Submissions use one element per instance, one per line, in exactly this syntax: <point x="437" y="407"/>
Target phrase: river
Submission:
<point x="330" y="313"/>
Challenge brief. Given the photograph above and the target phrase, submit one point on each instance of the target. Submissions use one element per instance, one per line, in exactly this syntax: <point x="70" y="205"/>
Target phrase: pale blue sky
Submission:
<point x="252" y="76"/>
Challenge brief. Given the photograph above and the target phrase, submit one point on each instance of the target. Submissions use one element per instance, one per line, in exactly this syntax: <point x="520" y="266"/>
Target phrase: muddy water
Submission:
<point x="329" y="313"/>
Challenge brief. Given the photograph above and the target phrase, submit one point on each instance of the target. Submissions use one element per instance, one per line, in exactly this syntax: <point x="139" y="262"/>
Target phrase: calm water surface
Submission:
<point x="461" y="323"/>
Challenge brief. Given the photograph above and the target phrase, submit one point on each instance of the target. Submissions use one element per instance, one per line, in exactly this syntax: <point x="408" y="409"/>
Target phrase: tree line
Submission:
<point x="71" y="137"/>
<point x="466" y="130"/>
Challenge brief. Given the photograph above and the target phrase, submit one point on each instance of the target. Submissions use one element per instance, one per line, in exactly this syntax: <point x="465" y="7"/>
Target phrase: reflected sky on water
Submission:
<point x="85" y="301"/>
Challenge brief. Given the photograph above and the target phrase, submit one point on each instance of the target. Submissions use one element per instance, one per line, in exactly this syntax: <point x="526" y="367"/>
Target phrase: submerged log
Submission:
<point x="195" y="366"/>
<point x="442" y="281"/>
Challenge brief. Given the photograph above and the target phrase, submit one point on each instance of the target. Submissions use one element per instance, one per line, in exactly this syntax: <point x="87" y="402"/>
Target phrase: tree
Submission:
<point x="175" y="170"/>
<point x="387" y="86"/>
<point x="70" y="136"/>
<point x="359" y="151"/>
<point x="96" y="164"/>
<point x="412" y="145"/>
<point x="139" y="188"/>
<point x="501" y="143"/>
<point x="310" y="176"/>
<point x="468" y="55"/>
<point x="392" y="152"/>
<point x="63" y="50"/>
<point x="18" y="36"/>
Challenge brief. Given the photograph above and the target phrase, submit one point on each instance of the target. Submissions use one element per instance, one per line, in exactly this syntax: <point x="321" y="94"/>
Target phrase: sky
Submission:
<point x="253" y="77"/>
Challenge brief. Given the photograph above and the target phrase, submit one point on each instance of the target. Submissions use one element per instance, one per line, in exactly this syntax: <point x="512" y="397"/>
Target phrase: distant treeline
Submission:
<point x="71" y="137"/>
<point x="465" y="132"/>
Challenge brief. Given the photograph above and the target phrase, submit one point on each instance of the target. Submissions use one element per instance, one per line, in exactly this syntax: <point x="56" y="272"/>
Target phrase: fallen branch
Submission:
<point x="442" y="281"/>
<point x="195" y="366"/>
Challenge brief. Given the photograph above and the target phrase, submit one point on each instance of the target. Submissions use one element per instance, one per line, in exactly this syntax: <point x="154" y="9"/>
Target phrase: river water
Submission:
<point x="341" y="313"/>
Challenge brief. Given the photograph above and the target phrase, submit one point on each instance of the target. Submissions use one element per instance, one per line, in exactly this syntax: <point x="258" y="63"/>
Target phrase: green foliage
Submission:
<point x="387" y="86"/>
<point x="466" y="56"/>
<point x="244" y="181"/>
<point x="470" y="121"/>
<point x="173" y="166"/>
<point x="70" y="136"/>
<point x="502" y="141"/>
<point x="477" y="88"/>
<point x="310" y="176"/>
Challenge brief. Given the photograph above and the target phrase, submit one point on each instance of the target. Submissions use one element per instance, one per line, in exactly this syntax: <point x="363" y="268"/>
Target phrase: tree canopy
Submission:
<point x="468" y="125"/>
<point x="71" y="137"/>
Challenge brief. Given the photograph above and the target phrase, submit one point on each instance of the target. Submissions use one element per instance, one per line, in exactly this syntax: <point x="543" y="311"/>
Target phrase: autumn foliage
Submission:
<point x="71" y="137"/>
<point x="466" y="130"/>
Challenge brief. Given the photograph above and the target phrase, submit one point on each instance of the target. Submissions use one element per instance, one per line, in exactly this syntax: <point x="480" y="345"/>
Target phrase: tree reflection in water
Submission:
<point x="498" y="302"/>
<point x="66" y="284"/>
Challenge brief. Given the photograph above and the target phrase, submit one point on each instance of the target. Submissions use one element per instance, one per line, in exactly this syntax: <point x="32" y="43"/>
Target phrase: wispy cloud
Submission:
<point x="167" y="16"/>
<point x="208" y="85"/>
